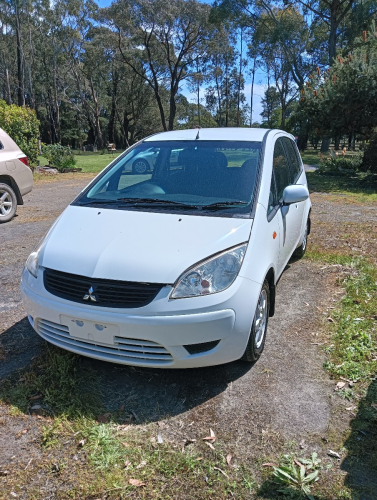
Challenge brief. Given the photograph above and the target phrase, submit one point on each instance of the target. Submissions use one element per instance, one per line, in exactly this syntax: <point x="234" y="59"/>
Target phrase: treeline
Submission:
<point x="114" y="75"/>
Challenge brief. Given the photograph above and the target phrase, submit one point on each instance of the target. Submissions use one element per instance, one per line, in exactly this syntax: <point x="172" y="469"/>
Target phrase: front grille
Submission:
<point x="108" y="293"/>
<point x="203" y="347"/>
<point x="123" y="350"/>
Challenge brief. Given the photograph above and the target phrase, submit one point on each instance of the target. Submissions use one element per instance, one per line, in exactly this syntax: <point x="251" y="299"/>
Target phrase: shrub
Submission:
<point x="22" y="125"/>
<point x="341" y="165"/>
<point x="60" y="157"/>
<point x="370" y="156"/>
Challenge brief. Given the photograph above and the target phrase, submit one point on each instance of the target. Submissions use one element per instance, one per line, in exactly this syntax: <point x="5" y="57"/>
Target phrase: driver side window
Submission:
<point x="281" y="169"/>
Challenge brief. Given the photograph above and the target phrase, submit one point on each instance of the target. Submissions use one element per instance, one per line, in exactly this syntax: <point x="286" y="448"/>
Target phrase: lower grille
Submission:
<point x="99" y="292"/>
<point x="123" y="350"/>
<point x="203" y="347"/>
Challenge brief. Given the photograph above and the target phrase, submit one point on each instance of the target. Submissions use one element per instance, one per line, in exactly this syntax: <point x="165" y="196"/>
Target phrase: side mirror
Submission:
<point x="295" y="193"/>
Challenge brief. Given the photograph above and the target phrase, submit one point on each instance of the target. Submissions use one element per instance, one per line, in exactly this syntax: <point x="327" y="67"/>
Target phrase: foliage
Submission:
<point x="370" y="155"/>
<point x="343" y="100"/>
<point x="21" y="125"/>
<point x="340" y="165"/>
<point x="60" y="157"/>
<point x="295" y="477"/>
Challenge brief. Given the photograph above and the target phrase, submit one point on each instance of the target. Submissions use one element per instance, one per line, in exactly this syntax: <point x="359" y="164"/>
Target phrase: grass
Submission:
<point x="89" y="161"/>
<point x="358" y="188"/>
<point x="310" y="157"/>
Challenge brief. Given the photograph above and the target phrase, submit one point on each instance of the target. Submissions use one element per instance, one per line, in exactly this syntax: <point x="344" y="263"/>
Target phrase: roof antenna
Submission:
<point x="197" y="135"/>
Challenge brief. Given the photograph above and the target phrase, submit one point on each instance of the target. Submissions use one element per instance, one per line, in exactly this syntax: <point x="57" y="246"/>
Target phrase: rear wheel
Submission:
<point x="258" y="330"/>
<point x="8" y="203"/>
<point x="140" y="167"/>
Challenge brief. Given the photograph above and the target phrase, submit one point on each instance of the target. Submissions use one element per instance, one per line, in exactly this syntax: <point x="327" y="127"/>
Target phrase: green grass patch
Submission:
<point x="358" y="187"/>
<point x="89" y="161"/>
<point x="310" y="157"/>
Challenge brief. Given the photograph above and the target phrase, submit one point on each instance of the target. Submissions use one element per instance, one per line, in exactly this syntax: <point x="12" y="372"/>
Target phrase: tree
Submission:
<point x="343" y="100"/>
<point x="160" y="43"/>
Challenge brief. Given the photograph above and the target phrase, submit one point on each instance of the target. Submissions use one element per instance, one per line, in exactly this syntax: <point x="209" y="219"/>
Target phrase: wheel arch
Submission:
<point x="270" y="278"/>
<point x="9" y="181"/>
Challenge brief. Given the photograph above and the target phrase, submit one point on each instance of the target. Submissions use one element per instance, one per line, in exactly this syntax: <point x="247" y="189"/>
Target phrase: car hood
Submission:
<point x="136" y="246"/>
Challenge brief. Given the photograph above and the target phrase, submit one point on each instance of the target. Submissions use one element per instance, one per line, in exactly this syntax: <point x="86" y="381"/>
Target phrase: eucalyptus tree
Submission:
<point x="160" y="42"/>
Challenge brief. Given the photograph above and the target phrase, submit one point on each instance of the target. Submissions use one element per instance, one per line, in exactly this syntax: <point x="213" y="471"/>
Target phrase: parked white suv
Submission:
<point x="16" y="178"/>
<point x="177" y="270"/>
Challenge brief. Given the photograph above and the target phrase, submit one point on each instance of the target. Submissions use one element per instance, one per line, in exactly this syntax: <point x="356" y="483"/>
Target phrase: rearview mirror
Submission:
<point x="295" y="193"/>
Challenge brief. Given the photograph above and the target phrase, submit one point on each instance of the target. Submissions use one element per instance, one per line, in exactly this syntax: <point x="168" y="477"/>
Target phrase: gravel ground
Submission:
<point x="284" y="396"/>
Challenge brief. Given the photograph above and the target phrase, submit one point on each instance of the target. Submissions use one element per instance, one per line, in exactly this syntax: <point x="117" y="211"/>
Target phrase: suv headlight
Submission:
<point x="32" y="263"/>
<point x="211" y="276"/>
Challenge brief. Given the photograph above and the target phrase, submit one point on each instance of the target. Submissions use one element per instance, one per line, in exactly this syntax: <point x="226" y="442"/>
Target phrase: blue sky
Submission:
<point x="259" y="84"/>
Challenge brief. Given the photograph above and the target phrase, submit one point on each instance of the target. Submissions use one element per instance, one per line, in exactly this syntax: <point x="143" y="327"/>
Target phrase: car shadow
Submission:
<point x="361" y="461"/>
<point x="144" y="394"/>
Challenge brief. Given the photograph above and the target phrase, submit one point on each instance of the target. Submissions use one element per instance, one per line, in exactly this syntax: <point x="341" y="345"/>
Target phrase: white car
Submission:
<point x="16" y="178"/>
<point x="178" y="270"/>
<point x="144" y="161"/>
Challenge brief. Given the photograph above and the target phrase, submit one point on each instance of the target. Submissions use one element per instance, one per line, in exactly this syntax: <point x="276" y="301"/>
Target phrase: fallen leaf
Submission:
<point x="268" y="464"/>
<point x="350" y="408"/>
<point x="228" y="459"/>
<point x="81" y="443"/>
<point x="141" y="464"/>
<point x="24" y="431"/>
<point x="127" y="464"/>
<point x="211" y="433"/>
<point x="37" y="396"/>
<point x="334" y="454"/>
<point x="159" y="439"/>
<point x="136" y="482"/>
<point x="200" y="458"/>
<point x="22" y="379"/>
<point x="298" y="463"/>
<point x="330" y="319"/>
<point x="306" y="303"/>
<point x="210" y="445"/>
<point x="340" y="385"/>
<point x="222" y="472"/>
<point x="4" y="472"/>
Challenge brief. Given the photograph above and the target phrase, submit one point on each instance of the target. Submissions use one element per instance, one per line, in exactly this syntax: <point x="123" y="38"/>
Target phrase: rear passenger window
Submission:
<point x="281" y="169"/>
<point x="294" y="162"/>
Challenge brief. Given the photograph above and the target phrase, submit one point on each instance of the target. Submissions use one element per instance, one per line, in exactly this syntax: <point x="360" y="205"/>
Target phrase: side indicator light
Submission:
<point x="274" y="234"/>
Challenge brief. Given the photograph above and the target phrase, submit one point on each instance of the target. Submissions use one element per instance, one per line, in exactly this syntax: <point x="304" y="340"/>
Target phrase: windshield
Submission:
<point x="200" y="176"/>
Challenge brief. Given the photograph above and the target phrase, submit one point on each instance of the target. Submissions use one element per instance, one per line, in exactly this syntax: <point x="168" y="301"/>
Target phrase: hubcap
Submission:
<point x="140" y="167"/>
<point x="261" y="319"/>
<point x="5" y="203"/>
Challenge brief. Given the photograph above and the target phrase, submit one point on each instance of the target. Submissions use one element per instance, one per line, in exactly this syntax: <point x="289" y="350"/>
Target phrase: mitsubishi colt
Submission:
<point x="178" y="267"/>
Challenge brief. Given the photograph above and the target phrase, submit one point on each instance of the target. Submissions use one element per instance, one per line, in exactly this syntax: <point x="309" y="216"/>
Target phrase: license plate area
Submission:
<point x="94" y="331"/>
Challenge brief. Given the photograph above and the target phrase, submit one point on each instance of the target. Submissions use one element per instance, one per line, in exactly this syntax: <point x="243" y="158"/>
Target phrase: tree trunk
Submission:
<point x="252" y="95"/>
<point x="325" y="146"/>
<point x="9" y="97"/>
<point x="20" y="75"/>
<point x="111" y="125"/>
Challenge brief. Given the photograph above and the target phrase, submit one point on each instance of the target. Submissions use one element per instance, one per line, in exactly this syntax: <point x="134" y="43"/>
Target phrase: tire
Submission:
<point x="300" y="251"/>
<point x="8" y="203"/>
<point x="140" y="167"/>
<point x="258" y="330"/>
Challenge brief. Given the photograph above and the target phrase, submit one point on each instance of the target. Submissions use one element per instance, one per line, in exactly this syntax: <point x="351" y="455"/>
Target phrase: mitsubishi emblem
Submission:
<point x="90" y="295"/>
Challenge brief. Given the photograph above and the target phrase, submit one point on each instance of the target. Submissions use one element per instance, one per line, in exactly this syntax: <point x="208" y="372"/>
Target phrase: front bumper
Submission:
<point x="152" y="336"/>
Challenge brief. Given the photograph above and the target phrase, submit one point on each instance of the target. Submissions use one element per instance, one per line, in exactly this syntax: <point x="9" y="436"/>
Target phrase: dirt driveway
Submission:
<point x="285" y="397"/>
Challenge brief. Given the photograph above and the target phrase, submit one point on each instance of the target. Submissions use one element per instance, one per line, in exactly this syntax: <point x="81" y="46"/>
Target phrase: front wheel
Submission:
<point x="258" y="330"/>
<point x="8" y="203"/>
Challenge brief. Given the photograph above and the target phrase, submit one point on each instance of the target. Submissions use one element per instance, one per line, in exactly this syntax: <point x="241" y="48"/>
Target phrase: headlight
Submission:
<point x="32" y="263"/>
<point x="211" y="276"/>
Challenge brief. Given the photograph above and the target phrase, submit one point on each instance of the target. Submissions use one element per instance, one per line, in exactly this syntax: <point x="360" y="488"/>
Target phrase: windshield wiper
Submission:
<point x="157" y="201"/>
<point x="223" y="204"/>
<point x="141" y="202"/>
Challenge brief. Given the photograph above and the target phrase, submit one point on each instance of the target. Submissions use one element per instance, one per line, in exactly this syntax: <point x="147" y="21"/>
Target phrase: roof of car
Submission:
<point x="211" y="134"/>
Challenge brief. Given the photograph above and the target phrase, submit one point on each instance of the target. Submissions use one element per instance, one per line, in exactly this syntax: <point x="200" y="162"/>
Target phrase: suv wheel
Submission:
<point x="8" y="203"/>
<point x="140" y="167"/>
<point x="258" y="331"/>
